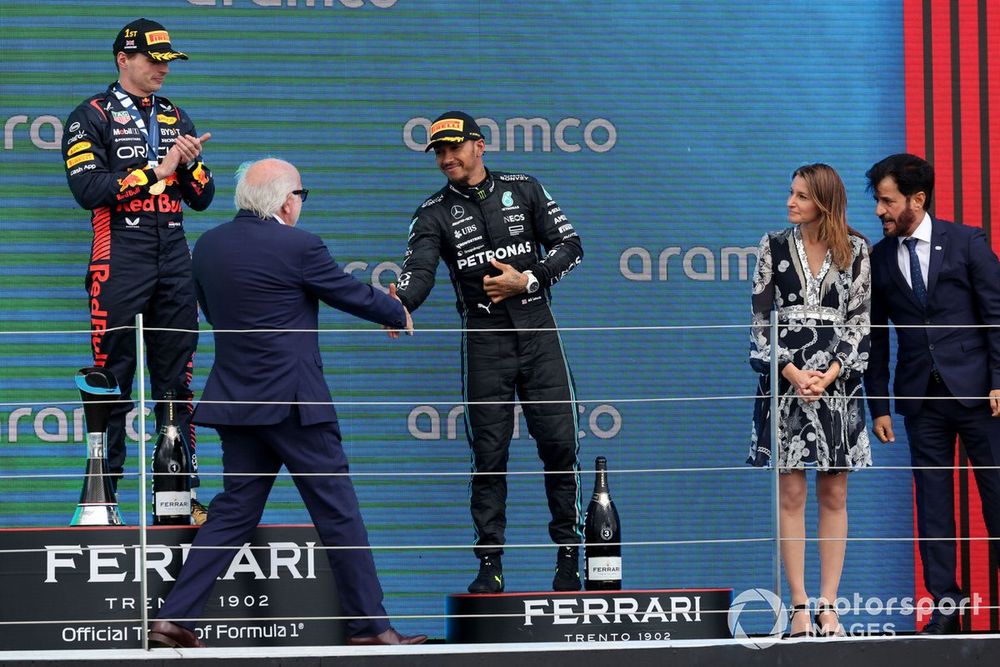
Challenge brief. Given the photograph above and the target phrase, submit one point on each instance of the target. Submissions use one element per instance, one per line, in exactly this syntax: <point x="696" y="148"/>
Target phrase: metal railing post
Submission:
<point x="775" y="494"/>
<point x="141" y="376"/>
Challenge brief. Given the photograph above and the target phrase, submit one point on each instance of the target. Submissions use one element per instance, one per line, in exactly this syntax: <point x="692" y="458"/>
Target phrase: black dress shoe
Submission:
<point x="941" y="624"/>
<point x="171" y="635"/>
<point x="388" y="638"/>
<point x="199" y="513"/>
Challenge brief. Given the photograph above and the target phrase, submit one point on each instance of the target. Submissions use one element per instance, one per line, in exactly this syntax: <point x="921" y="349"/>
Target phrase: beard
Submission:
<point x="903" y="225"/>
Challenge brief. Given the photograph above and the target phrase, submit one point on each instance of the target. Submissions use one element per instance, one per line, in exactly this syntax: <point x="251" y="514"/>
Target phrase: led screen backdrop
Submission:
<point x="666" y="131"/>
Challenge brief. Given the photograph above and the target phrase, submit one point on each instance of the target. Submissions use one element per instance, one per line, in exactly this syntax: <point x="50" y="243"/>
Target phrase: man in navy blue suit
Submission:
<point x="267" y="398"/>
<point x="929" y="272"/>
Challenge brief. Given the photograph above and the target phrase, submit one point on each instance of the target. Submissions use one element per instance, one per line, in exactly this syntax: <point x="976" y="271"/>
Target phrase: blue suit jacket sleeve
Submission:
<point x="330" y="284"/>
<point x="984" y="273"/>
<point x="877" y="373"/>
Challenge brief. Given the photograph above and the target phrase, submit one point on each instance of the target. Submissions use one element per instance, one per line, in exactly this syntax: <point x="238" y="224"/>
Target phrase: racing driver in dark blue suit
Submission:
<point x="133" y="158"/>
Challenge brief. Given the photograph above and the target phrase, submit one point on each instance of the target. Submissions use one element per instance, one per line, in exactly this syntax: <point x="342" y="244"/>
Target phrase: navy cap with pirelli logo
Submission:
<point x="453" y="127"/>
<point x="149" y="37"/>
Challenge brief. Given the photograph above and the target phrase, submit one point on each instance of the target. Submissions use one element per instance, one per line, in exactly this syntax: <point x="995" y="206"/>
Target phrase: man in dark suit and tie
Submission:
<point x="267" y="398"/>
<point x="929" y="272"/>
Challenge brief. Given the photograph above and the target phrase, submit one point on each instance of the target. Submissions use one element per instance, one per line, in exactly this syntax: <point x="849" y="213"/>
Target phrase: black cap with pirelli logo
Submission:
<point x="149" y="37"/>
<point x="453" y="127"/>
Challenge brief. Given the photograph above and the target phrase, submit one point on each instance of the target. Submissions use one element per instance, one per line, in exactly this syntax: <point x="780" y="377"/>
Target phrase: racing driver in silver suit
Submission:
<point x="505" y="242"/>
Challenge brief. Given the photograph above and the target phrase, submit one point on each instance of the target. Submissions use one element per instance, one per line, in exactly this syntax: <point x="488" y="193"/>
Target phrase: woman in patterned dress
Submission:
<point x="817" y="276"/>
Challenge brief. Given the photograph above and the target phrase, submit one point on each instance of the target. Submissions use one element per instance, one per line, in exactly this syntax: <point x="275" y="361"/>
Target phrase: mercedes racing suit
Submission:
<point x="139" y="260"/>
<point x="510" y="218"/>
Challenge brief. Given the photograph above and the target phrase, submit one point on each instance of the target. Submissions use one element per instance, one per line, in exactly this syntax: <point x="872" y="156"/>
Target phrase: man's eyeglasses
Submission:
<point x="302" y="193"/>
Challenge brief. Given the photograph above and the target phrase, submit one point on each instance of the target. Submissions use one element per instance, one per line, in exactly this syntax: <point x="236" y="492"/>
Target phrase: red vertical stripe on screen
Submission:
<point x="968" y="73"/>
<point x="913" y="76"/>
<point x="916" y="143"/>
<point x="914" y="73"/>
<point x="972" y="214"/>
<point x="944" y="164"/>
<point x="992" y="108"/>
<point x="993" y="100"/>
<point x="979" y="549"/>
<point x="919" y="590"/>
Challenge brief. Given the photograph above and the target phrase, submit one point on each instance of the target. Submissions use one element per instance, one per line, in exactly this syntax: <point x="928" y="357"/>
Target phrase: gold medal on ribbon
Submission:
<point x="157" y="188"/>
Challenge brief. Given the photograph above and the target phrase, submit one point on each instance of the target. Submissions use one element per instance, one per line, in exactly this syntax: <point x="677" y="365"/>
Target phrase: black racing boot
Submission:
<point x="490" y="577"/>
<point x="567" y="570"/>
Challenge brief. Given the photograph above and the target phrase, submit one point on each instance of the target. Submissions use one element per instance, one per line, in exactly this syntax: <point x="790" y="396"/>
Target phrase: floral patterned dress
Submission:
<point x="820" y="318"/>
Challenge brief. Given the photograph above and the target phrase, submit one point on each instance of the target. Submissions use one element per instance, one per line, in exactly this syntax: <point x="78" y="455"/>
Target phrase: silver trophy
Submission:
<point x="98" y="504"/>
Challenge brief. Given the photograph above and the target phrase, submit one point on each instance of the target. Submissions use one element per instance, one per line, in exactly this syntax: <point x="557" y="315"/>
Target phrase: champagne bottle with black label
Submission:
<point x="171" y="473"/>
<point x="603" y="536"/>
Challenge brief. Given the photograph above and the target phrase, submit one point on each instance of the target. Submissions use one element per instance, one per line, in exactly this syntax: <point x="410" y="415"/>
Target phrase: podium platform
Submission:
<point x="79" y="588"/>
<point x="589" y="616"/>
<point x="71" y="596"/>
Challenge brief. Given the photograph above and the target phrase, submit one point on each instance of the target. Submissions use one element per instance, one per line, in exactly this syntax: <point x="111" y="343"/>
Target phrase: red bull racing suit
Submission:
<point x="139" y="261"/>
<point x="510" y="218"/>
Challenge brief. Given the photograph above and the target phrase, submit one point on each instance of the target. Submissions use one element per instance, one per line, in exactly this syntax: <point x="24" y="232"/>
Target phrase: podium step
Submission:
<point x="587" y="616"/>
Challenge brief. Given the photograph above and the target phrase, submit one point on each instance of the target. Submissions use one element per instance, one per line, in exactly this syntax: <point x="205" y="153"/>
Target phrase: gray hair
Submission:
<point x="263" y="196"/>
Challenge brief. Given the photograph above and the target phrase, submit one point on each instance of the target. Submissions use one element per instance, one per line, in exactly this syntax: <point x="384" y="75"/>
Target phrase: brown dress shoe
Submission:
<point x="199" y="513"/>
<point x="387" y="638"/>
<point x="171" y="635"/>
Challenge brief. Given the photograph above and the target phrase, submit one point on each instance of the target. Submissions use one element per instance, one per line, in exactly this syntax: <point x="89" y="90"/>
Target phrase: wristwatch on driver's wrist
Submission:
<point x="532" y="285"/>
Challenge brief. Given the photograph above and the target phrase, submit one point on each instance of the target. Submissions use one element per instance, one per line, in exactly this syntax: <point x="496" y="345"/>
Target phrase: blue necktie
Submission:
<point x="916" y="277"/>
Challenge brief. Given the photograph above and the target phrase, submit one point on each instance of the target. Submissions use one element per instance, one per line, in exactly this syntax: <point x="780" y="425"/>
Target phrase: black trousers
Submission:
<point x="148" y="273"/>
<point x="234" y="514"/>
<point x="496" y="366"/>
<point x="932" y="435"/>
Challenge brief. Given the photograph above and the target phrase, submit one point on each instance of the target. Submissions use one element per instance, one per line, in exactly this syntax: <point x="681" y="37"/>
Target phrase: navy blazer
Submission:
<point x="253" y="273"/>
<point x="963" y="287"/>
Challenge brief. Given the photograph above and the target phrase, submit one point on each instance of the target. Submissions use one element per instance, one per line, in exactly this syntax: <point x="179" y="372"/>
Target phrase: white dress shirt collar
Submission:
<point x="922" y="232"/>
